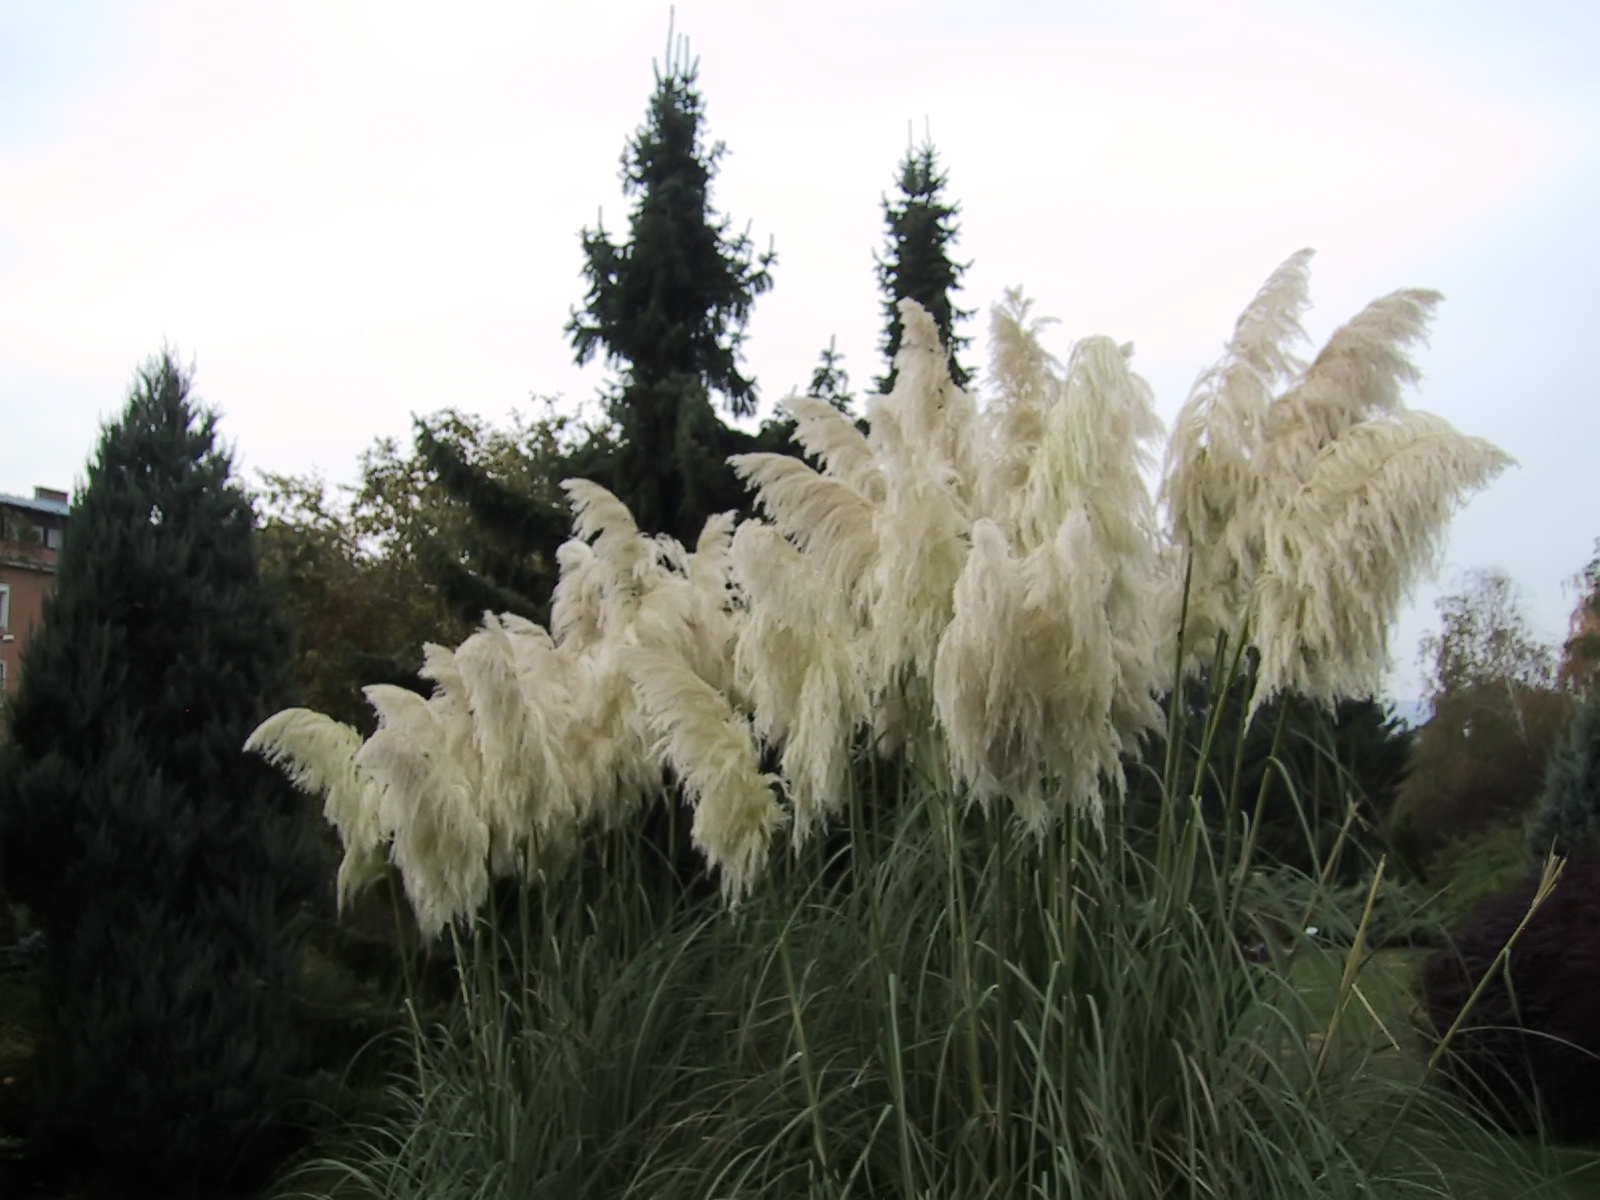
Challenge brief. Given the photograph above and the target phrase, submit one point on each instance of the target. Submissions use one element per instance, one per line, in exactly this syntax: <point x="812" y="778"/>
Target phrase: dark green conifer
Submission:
<point x="829" y="380"/>
<point x="1568" y="816"/>
<point x="916" y="263"/>
<point x="668" y="308"/>
<point x="167" y="869"/>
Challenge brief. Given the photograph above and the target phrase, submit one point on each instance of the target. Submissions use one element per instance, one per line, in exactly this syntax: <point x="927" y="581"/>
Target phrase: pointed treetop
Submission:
<point x="915" y="263"/>
<point x="668" y="306"/>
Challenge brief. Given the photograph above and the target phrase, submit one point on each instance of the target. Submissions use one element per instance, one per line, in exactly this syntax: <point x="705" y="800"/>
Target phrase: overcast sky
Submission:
<point x="344" y="213"/>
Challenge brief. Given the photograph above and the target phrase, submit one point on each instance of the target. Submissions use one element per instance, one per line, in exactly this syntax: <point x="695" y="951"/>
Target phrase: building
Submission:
<point x="31" y="532"/>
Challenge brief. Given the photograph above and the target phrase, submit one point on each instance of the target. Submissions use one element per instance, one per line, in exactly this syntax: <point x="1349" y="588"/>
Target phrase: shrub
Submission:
<point x="1529" y="1052"/>
<point x="1473" y="869"/>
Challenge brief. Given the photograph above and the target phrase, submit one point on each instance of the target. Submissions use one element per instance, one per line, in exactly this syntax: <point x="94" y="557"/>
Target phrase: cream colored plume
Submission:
<point x="1027" y="383"/>
<point x="925" y="433"/>
<point x="996" y="583"/>
<point x="1306" y="515"/>
<point x="510" y="735"/>
<point x="1357" y="376"/>
<point x="428" y="797"/>
<point x="798" y="661"/>
<point x="710" y="749"/>
<point x="1087" y="453"/>
<point x="1351" y="542"/>
<point x="831" y="437"/>
<point x="319" y="756"/>
<point x="1214" y="459"/>
<point x="832" y="521"/>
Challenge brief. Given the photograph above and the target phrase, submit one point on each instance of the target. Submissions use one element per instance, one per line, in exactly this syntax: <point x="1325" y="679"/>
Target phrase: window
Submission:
<point x="5" y="607"/>
<point x="52" y="538"/>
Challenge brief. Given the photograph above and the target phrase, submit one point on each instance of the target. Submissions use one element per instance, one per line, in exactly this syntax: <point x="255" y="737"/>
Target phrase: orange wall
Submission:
<point x="29" y="586"/>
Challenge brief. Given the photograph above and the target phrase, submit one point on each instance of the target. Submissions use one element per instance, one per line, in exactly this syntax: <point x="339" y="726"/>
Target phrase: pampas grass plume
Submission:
<point x="319" y="756"/>
<point x="710" y="749"/>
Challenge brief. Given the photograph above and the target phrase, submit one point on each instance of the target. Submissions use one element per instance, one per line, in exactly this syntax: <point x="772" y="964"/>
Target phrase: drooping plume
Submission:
<point x="710" y="749"/>
<point x="318" y="754"/>
<point x="1356" y="536"/>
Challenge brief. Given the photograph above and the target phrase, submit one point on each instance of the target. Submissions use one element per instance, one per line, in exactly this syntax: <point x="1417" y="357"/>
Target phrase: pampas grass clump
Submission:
<point x="991" y="586"/>
<point x="947" y="639"/>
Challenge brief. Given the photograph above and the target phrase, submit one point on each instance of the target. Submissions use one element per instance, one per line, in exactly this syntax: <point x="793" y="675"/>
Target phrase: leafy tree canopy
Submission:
<point x="1495" y="715"/>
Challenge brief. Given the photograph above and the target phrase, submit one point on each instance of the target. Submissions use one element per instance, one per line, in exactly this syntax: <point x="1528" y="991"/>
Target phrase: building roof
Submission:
<point x="59" y="508"/>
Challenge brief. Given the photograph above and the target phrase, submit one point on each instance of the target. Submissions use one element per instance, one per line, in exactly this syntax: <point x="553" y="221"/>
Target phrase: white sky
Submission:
<point x="345" y="212"/>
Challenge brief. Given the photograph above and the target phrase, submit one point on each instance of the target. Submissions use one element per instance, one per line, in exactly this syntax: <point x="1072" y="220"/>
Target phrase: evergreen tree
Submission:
<point x="830" y="381"/>
<point x="668" y="308"/>
<point x="916" y="263"/>
<point x="167" y="869"/>
<point x="499" y="549"/>
<point x="1568" y="816"/>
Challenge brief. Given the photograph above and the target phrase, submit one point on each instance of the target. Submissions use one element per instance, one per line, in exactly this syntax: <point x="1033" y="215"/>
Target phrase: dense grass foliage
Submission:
<point x="928" y="1003"/>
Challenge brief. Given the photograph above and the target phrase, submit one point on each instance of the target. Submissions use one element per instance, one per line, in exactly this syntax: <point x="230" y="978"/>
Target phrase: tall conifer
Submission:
<point x="166" y="868"/>
<point x="668" y="307"/>
<point x="916" y="263"/>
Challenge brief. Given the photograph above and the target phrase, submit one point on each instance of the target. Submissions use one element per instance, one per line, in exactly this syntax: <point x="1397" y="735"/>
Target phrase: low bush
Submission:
<point x="1529" y="1049"/>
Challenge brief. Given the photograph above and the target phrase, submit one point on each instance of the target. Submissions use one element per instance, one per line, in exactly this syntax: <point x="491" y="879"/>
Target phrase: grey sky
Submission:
<point x="349" y="212"/>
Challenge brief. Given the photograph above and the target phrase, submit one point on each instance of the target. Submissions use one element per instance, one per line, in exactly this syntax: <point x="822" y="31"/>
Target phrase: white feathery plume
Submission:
<point x="833" y="522"/>
<point x="923" y="544"/>
<point x="710" y="616"/>
<point x="828" y="435"/>
<point x="611" y="582"/>
<point x="1212" y="470"/>
<point x="605" y="747"/>
<point x="1357" y="375"/>
<point x="710" y="749"/>
<point x="426" y="797"/>
<point x="1026" y="382"/>
<point x="599" y="517"/>
<point x="319" y="756"/>
<point x="1026" y="675"/>
<point x="1097" y="438"/>
<point x="924" y="433"/>
<point x="993" y="724"/>
<point x="1090" y="456"/>
<point x="796" y="663"/>
<point x="927" y="412"/>
<point x="1075" y="649"/>
<point x="544" y="677"/>
<point x="1004" y="571"/>
<point x="684" y="606"/>
<point x="1349" y="545"/>
<point x="508" y="735"/>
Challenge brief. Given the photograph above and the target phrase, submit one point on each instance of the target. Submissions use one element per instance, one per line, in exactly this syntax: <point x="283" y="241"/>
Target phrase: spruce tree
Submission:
<point x="916" y="263"/>
<point x="829" y="380"/>
<point x="668" y="308"/>
<point x="1568" y="816"/>
<point x="167" y="869"/>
